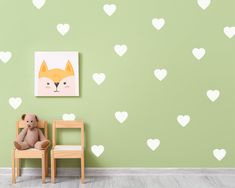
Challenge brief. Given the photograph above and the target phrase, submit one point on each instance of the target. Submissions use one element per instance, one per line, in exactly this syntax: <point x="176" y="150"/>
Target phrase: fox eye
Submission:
<point x="48" y="83"/>
<point x="64" y="83"/>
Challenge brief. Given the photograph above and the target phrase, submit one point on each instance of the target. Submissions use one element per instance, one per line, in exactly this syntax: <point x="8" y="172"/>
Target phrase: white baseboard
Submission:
<point x="128" y="171"/>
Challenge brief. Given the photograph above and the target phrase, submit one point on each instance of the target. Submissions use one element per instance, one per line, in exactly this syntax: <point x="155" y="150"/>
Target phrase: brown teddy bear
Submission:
<point x="31" y="136"/>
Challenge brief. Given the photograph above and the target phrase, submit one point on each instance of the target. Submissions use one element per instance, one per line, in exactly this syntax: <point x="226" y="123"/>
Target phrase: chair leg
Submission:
<point x="82" y="169"/>
<point x="55" y="167"/>
<point x="43" y="168"/>
<point x="17" y="167"/>
<point x="52" y="168"/>
<point x="46" y="166"/>
<point x="13" y="168"/>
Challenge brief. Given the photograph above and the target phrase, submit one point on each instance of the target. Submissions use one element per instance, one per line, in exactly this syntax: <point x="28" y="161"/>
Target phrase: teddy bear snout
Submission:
<point x="30" y="124"/>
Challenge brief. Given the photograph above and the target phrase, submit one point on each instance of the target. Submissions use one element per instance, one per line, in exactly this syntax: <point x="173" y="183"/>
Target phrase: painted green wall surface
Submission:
<point x="171" y="78"/>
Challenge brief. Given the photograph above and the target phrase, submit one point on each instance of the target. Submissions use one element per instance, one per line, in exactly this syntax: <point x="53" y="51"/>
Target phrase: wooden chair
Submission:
<point x="67" y="151"/>
<point x="29" y="153"/>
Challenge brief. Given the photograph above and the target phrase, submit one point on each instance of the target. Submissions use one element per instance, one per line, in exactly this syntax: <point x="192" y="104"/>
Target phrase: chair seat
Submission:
<point x="30" y="149"/>
<point x="67" y="148"/>
<point x="29" y="153"/>
<point x="67" y="151"/>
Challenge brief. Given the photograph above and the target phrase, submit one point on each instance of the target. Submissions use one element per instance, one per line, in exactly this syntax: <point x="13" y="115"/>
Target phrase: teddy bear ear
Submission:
<point x="23" y="116"/>
<point x="36" y="118"/>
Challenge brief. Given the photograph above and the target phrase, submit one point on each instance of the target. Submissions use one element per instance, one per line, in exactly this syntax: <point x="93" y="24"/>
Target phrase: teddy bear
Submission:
<point x="31" y="136"/>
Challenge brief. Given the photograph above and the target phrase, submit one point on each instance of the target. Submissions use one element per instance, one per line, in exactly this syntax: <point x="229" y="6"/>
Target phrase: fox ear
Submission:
<point x="43" y="66"/>
<point x="69" y="68"/>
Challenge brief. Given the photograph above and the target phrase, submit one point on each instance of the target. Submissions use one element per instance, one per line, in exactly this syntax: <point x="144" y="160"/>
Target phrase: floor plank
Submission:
<point x="164" y="181"/>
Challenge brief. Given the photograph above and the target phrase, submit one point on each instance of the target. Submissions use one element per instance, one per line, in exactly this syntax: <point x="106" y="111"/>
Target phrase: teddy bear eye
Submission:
<point x="48" y="83"/>
<point x="31" y="121"/>
<point x="27" y="121"/>
<point x="64" y="83"/>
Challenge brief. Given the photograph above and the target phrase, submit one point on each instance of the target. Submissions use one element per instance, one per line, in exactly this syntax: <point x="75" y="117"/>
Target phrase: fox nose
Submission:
<point x="56" y="84"/>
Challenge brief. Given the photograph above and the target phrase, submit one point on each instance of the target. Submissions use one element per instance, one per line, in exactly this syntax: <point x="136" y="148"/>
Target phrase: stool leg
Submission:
<point x="13" y="168"/>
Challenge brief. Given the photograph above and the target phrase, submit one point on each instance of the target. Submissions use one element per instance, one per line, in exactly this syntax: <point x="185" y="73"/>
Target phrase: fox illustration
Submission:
<point x="56" y="82"/>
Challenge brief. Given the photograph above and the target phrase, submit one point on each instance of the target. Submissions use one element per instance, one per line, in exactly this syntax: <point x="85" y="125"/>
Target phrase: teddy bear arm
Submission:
<point x="21" y="136"/>
<point x="41" y="135"/>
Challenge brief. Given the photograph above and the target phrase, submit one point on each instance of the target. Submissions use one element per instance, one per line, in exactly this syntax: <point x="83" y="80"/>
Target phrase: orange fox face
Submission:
<point x="56" y="81"/>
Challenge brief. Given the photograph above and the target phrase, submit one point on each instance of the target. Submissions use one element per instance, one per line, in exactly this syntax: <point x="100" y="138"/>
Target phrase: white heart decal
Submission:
<point x="109" y="9"/>
<point x="98" y="78"/>
<point x="160" y="74"/>
<point x="153" y="144"/>
<point x="68" y="117"/>
<point x="219" y="154"/>
<point x="15" y="102"/>
<point x="5" y="56"/>
<point x="38" y="3"/>
<point x="183" y="120"/>
<point x="120" y="49"/>
<point x="199" y="53"/>
<point x="229" y="31"/>
<point x="203" y="3"/>
<point x="63" y="28"/>
<point x="97" y="150"/>
<point x="121" y="116"/>
<point x="158" y="23"/>
<point x="213" y="95"/>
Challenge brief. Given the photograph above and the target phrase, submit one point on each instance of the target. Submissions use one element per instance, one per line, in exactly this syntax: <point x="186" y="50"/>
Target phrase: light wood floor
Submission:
<point x="163" y="181"/>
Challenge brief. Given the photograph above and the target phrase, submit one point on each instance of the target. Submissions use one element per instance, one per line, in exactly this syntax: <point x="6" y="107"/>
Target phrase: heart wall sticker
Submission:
<point x="219" y="154"/>
<point x="5" y="56"/>
<point x="109" y="9"/>
<point x="204" y="4"/>
<point x="158" y="23"/>
<point x="213" y="95"/>
<point x="98" y="78"/>
<point x="120" y="49"/>
<point x="183" y="120"/>
<point x="63" y="29"/>
<point x="198" y="53"/>
<point x="229" y="32"/>
<point x="160" y="74"/>
<point x="38" y="3"/>
<point x="68" y="117"/>
<point x="15" y="102"/>
<point x="97" y="150"/>
<point x="153" y="144"/>
<point x="121" y="116"/>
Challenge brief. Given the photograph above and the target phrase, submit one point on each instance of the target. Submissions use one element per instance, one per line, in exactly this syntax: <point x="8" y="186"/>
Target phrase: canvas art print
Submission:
<point x="56" y="74"/>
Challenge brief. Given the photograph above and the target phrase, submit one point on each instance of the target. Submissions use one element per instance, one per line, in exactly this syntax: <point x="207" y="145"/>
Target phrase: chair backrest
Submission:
<point x="41" y="124"/>
<point x="61" y="124"/>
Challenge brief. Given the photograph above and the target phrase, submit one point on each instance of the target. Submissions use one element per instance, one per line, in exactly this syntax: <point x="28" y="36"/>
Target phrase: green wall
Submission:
<point x="130" y="85"/>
